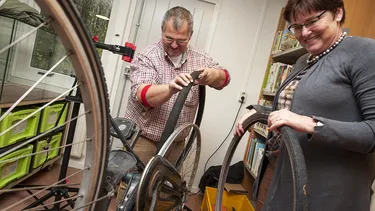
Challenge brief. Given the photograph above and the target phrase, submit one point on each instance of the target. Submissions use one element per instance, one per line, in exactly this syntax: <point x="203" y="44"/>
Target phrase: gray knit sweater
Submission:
<point x="339" y="90"/>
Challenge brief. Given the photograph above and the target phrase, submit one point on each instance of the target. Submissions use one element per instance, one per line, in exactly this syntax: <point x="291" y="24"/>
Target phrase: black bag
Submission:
<point x="211" y="176"/>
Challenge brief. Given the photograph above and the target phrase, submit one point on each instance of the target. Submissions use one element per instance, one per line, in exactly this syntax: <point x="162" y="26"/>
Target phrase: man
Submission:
<point x="161" y="71"/>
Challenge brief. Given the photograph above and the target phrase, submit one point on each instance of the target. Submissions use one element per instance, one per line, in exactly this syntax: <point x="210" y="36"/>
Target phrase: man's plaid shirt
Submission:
<point x="153" y="66"/>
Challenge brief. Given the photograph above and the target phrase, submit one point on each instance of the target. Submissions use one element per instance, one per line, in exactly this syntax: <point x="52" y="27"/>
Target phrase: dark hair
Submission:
<point x="305" y="7"/>
<point x="179" y="15"/>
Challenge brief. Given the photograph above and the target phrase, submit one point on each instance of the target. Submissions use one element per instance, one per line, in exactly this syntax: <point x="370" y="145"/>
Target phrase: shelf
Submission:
<point x="269" y="94"/>
<point x="260" y="131"/>
<point x="251" y="173"/>
<point x="34" y="171"/>
<point x="289" y="56"/>
<point x="11" y="93"/>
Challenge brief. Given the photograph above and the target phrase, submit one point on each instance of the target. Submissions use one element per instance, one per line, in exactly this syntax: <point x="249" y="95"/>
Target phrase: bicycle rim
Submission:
<point x="163" y="182"/>
<point x="70" y="29"/>
<point x="187" y="162"/>
<point x="300" y="190"/>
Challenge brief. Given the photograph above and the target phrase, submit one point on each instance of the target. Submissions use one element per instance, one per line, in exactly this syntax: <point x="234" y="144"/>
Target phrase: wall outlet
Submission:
<point x="242" y="97"/>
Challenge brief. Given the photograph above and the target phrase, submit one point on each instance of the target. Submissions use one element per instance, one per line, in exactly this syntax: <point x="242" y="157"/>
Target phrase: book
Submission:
<point x="258" y="160"/>
<point x="258" y="154"/>
<point x="251" y="153"/>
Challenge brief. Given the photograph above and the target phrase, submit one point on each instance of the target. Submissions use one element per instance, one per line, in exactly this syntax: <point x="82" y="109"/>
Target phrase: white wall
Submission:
<point x="241" y="43"/>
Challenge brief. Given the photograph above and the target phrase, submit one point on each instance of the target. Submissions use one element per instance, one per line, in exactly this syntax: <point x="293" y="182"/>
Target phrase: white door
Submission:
<point x="149" y="31"/>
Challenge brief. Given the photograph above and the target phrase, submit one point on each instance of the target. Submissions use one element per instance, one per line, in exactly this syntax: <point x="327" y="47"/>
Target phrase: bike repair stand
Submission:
<point x="127" y="131"/>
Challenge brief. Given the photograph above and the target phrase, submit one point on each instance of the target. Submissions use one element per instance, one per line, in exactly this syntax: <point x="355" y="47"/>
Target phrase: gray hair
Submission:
<point x="179" y="15"/>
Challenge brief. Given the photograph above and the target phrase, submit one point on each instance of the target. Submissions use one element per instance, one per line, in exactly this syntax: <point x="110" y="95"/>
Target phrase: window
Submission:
<point x="48" y="48"/>
<point x="40" y="51"/>
<point x="6" y="25"/>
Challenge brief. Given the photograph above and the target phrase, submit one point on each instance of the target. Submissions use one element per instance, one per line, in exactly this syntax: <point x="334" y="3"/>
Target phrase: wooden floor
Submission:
<point x="8" y="199"/>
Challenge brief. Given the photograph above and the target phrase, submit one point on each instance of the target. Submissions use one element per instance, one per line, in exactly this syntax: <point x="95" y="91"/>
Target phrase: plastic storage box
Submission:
<point x="50" y="115"/>
<point x="26" y="129"/>
<point x="230" y="200"/>
<point x="15" y="169"/>
<point x="40" y="158"/>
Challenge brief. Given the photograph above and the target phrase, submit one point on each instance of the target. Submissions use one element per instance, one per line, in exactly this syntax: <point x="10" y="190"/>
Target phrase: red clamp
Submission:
<point x="131" y="46"/>
<point x="95" y="38"/>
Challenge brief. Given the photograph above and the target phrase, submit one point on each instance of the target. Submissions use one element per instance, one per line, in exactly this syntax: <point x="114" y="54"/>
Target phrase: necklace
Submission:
<point x="311" y="58"/>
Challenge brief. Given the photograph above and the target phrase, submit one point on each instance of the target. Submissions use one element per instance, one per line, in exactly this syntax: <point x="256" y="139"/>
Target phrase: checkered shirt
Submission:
<point x="153" y="66"/>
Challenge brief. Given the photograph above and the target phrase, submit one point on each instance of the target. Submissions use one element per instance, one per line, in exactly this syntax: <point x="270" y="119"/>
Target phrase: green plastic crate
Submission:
<point x="15" y="169"/>
<point x="26" y="129"/>
<point x="40" y="158"/>
<point x="50" y="115"/>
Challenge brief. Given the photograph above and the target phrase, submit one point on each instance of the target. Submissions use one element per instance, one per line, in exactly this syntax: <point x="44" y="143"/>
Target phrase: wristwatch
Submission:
<point x="319" y="123"/>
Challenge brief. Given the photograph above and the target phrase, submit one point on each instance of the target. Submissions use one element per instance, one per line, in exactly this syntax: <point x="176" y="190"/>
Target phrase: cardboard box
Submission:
<point x="234" y="188"/>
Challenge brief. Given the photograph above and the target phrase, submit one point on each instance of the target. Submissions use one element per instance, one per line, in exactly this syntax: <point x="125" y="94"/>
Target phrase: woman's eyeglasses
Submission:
<point x="297" y="28"/>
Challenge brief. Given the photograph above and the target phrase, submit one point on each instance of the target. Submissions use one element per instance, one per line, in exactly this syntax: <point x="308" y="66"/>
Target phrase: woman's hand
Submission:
<point x="298" y="122"/>
<point x="238" y="130"/>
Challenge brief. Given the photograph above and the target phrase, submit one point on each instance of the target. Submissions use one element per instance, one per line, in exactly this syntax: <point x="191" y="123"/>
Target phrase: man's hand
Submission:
<point x="209" y="76"/>
<point x="179" y="82"/>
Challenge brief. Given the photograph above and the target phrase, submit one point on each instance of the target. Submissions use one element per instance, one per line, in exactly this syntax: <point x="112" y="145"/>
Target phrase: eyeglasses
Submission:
<point x="297" y="28"/>
<point x="178" y="41"/>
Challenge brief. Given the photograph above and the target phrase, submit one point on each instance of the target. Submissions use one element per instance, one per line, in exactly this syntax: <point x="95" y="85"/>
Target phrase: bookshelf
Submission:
<point x="280" y="64"/>
<point x="289" y="56"/>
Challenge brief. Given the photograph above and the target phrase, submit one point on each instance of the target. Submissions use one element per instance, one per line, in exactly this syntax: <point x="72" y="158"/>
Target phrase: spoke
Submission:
<point x="35" y="188"/>
<point x="186" y="173"/>
<point x="19" y="202"/>
<point x="41" y="108"/>
<point x="110" y="194"/>
<point x="32" y="87"/>
<point x="188" y="159"/>
<point x="62" y="200"/>
<point x="24" y="36"/>
<point x="40" y="152"/>
<point x="41" y="135"/>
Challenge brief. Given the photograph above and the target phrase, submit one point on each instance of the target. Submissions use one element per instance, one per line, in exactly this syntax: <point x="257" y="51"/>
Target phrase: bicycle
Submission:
<point x="97" y="187"/>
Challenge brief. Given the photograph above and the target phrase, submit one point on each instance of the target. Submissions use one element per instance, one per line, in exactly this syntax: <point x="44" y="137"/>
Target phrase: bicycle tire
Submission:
<point x="300" y="180"/>
<point x="145" y="181"/>
<point x="69" y="27"/>
<point x="196" y="135"/>
<point x="176" y="110"/>
<point x="88" y="68"/>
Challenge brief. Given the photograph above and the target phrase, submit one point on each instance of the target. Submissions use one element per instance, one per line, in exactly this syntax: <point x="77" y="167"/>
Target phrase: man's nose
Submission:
<point x="174" y="44"/>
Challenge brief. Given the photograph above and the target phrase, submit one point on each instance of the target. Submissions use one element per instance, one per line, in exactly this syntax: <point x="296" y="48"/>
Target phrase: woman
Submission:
<point x="330" y="100"/>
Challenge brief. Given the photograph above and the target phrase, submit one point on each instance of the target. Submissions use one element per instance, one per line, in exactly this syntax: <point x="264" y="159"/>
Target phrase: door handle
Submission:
<point x="48" y="75"/>
<point x="127" y="72"/>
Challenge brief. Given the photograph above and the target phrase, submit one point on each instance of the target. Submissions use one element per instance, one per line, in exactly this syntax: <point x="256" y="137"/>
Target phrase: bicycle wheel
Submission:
<point x="163" y="184"/>
<point x="70" y="29"/>
<point x="300" y="189"/>
<point x="188" y="158"/>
